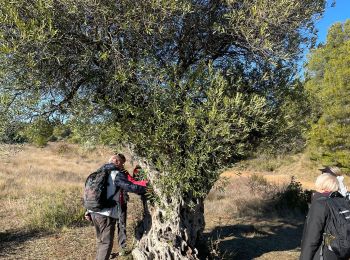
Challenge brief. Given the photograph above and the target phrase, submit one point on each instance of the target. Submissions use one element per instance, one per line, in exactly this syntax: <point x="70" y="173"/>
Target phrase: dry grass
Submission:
<point x="244" y="225"/>
<point x="299" y="166"/>
<point x="244" y="196"/>
<point x="28" y="172"/>
<point x="236" y="216"/>
<point x="241" y="216"/>
<point x="37" y="182"/>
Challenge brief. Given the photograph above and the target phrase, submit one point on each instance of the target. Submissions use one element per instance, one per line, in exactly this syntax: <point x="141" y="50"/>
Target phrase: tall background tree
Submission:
<point x="328" y="81"/>
<point x="191" y="86"/>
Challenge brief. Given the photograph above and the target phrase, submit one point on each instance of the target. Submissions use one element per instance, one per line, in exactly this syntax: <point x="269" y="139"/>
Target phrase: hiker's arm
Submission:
<point x="315" y="224"/>
<point x="122" y="181"/>
<point x="141" y="183"/>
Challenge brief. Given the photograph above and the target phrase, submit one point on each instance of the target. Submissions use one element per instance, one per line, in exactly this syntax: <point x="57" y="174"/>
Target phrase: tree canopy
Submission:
<point x="328" y="81"/>
<point x="194" y="85"/>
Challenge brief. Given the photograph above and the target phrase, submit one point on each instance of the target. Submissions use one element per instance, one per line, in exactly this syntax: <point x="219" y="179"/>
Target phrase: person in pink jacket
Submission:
<point x="121" y="225"/>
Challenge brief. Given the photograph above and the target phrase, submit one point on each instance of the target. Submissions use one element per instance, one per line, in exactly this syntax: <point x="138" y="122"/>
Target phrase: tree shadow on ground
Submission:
<point x="11" y="241"/>
<point x="248" y="241"/>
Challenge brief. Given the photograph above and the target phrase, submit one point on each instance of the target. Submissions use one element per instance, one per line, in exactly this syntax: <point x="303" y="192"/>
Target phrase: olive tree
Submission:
<point x="193" y="86"/>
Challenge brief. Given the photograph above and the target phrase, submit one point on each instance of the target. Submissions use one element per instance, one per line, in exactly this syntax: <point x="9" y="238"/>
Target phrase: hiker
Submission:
<point x="136" y="173"/>
<point x="312" y="246"/>
<point x="106" y="219"/>
<point x="335" y="171"/>
<point x="121" y="224"/>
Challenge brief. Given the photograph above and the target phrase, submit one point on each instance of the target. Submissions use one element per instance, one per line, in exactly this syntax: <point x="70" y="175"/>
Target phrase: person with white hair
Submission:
<point x="335" y="171"/>
<point x="312" y="245"/>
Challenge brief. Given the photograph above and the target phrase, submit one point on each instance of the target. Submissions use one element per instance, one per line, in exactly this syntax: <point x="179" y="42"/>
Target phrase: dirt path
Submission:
<point x="247" y="237"/>
<point x="259" y="238"/>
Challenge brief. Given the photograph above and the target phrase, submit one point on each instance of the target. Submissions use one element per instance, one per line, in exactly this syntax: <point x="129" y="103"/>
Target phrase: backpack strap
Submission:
<point x="335" y="194"/>
<point x="329" y="201"/>
<point x="326" y="199"/>
<point x="322" y="245"/>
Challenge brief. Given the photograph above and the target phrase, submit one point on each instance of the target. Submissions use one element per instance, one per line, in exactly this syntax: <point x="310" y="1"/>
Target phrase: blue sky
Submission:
<point x="339" y="13"/>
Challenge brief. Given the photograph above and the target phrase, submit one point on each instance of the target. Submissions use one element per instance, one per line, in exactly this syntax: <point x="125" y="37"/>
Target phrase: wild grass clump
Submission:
<point x="258" y="183"/>
<point x="64" y="148"/>
<point x="50" y="212"/>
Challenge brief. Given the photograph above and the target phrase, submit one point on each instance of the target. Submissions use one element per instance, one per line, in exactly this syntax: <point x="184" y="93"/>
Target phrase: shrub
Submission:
<point x="293" y="197"/>
<point x="218" y="192"/>
<point x="53" y="211"/>
<point x="273" y="199"/>
<point x="39" y="132"/>
<point x="63" y="148"/>
<point x="61" y="131"/>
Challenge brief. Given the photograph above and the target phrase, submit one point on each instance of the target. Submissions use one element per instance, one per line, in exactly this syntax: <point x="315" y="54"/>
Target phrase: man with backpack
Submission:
<point x="102" y="193"/>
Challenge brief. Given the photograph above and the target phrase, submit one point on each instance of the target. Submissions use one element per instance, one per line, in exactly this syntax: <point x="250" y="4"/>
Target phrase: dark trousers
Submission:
<point x="105" y="228"/>
<point x="121" y="225"/>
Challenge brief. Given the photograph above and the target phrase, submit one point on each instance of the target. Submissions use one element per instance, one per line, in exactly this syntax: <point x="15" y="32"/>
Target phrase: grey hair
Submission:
<point x="327" y="182"/>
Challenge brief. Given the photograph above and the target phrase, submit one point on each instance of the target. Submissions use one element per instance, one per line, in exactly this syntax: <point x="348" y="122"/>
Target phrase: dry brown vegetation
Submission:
<point x="245" y="225"/>
<point x="240" y="222"/>
<point x="35" y="181"/>
<point x="241" y="218"/>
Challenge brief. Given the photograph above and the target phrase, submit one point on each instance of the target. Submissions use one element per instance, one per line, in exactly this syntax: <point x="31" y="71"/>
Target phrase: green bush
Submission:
<point x="274" y="200"/>
<point x="293" y="197"/>
<point x="61" y="131"/>
<point x="53" y="211"/>
<point x="39" y="132"/>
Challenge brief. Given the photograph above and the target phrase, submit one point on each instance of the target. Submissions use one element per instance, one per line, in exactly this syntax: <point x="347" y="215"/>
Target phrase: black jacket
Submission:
<point x="314" y="227"/>
<point x="121" y="180"/>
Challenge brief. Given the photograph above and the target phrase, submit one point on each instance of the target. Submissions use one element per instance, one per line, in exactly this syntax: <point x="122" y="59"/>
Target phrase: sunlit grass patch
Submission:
<point x="51" y="211"/>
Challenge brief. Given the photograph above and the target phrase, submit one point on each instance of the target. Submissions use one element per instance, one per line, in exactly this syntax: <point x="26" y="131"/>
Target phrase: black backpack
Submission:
<point x="95" y="191"/>
<point x="337" y="235"/>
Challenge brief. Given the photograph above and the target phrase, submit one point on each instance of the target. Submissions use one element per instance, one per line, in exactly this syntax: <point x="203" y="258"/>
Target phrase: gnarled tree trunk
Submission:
<point x="172" y="232"/>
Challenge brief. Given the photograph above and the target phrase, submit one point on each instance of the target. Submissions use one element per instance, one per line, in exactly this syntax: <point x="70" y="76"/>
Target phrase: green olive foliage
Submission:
<point x="194" y="85"/>
<point x="328" y="81"/>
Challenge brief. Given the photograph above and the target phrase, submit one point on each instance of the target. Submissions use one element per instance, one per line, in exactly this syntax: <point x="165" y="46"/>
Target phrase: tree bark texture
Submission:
<point x="170" y="233"/>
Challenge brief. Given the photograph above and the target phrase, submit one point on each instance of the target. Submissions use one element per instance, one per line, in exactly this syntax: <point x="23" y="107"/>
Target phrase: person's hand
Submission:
<point x="87" y="216"/>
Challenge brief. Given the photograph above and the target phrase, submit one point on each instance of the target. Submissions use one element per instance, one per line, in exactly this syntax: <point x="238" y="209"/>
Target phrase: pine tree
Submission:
<point x="328" y="81"/>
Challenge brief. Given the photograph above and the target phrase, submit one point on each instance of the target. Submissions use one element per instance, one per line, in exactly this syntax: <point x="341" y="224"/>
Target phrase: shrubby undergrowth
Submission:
<point x="278" y="199"/>
<point x="56" y="210"/>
